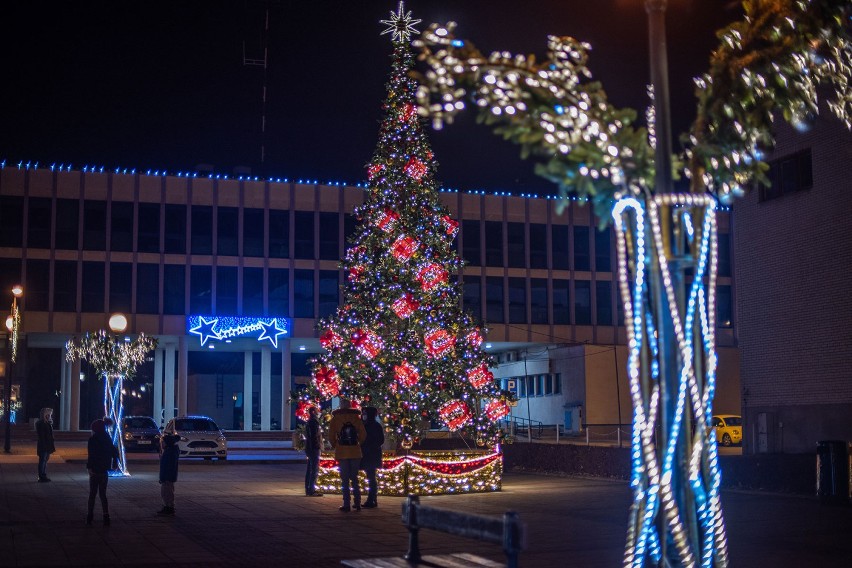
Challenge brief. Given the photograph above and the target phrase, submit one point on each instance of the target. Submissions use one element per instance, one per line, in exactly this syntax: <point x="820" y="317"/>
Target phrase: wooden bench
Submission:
<point x="507" y="532"/>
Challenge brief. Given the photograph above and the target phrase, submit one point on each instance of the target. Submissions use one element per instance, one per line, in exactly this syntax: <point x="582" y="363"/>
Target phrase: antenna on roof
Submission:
<point x="261" y="62"/>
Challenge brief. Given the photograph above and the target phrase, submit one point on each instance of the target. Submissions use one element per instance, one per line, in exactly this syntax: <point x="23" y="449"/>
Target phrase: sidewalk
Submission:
<point x="249" y="514"/>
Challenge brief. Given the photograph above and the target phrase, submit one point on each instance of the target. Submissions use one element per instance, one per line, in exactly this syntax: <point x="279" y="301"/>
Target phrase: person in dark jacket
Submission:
<point x="102" y="454"/>
<point x="371" y="450"/>
<point x="313" y="447"/>
<point x="168" y="474"/>
<point x="45" y="445"/>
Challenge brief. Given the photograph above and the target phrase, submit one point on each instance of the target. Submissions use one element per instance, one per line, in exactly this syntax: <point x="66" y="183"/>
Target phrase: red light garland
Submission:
<point x="367" y="342"/>
<point x="387" y="220"/>
<point x="330" y="340"/>
<point x="408" y="111"/>
<point x="480" y="376"/>
<point x="407" y="374"/>
<point x="451" y="225"/>
<point x="497" y="409"/>
<point x="374" y="169"/>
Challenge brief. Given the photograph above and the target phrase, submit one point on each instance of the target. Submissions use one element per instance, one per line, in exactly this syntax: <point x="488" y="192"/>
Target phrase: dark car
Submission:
<point x="141" y="433"/>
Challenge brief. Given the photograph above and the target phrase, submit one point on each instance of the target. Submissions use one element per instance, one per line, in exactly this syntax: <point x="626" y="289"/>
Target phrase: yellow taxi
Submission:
<point x="729" y="429"/>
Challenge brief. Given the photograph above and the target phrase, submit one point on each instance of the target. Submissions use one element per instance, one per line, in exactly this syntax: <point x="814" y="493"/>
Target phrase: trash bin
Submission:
<point x="832" y="474"/>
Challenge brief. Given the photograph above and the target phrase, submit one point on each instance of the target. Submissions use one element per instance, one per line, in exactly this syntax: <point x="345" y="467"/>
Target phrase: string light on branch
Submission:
<point x="438" y="342"/>
<point x="327" y="381"/>
<point x="480" y="376"/>
<point x="404" y="306"/>
<point x="431" y="276"/>
<point x="404" y="247"/>
<point x="406" y="374"/>
<point x="455" y="414"/>
<point x="415" y="169"/>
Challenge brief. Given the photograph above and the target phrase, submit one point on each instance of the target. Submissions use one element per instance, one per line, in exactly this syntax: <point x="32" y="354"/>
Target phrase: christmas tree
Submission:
<point x="400" y="341"/>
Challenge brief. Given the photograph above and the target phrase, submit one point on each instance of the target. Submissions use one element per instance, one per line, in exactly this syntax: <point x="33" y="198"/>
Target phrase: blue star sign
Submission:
<point x="225" y="328"/>
<point x="271" y="331"/>
<point x="206" y="329"/>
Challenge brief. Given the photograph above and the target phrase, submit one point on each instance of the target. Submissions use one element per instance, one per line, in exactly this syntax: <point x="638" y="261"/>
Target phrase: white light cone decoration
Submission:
<point x="676" y="517"/>
<point x="114" y="360"/>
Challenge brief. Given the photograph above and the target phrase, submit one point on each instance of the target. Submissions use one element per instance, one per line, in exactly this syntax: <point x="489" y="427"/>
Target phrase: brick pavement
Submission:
<point x="253" y="513"/>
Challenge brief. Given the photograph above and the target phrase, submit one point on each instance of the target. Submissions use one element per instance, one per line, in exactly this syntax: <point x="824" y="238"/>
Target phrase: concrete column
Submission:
<point x="247" y="390"/>
<point x="169" y="398"/>
<point x="74" y="406"/>
<point x="64" y="393"/>
<point x="286" y="381"/>
<point x="158" y="387"/>
<point x="265" y="388"/>
<point x="183" y="376"/>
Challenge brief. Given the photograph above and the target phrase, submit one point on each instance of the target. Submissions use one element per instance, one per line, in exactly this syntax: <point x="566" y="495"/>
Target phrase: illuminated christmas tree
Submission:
<point x="400" y="340"/>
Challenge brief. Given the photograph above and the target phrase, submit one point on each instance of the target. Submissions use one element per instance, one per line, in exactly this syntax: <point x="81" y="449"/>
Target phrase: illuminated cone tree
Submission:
<point x="115" y="361"/>
<point x="400" y="340"/>
<point x="770" y="63"/>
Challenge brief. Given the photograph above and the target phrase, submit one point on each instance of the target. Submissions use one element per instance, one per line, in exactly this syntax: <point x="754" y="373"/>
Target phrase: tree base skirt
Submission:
<point x="424" y="473"/>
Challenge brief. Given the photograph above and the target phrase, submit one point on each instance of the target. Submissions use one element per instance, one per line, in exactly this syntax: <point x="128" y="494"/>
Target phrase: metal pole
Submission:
<point x="7" y="408"/>
<point x="617" y="390"/>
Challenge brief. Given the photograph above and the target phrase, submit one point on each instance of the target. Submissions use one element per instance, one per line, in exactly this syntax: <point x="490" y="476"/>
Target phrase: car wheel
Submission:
<point x="223" y="458"/>
<point x="726" y="440"/>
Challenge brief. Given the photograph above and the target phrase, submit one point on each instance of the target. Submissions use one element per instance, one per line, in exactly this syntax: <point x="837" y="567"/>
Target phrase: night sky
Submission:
<point x="161" y="84"/>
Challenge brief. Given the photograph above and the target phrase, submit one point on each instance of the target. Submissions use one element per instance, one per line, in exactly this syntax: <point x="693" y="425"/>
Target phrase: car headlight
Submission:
<point x="184" y="439"/>
<point x="220" y="438"/>
<point x="128" y="436"/>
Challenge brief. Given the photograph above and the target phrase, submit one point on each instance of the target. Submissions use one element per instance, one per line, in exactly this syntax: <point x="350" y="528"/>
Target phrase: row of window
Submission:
<point x="788" y="174"/>
<point x="162" y="228"/>
<point x="534" y="385"/>
<point x="265" y="291"/>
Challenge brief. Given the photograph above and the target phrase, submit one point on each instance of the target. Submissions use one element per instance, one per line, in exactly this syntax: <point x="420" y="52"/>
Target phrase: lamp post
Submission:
<point x="13" y="324"/>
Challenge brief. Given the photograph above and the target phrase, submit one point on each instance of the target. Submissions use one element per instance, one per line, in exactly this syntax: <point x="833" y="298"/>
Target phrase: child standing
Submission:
<point x="102" y="454"/>
<point x="168" y="474"/>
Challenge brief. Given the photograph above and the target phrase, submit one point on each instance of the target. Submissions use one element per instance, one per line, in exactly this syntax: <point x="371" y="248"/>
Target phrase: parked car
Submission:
<point x="729" y="429"/>
<point x="200" y="437"/>
<point x="140" y="433"/>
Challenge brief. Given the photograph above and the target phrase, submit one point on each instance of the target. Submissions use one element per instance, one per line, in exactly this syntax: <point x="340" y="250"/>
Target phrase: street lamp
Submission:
<point x="13" y="324"/>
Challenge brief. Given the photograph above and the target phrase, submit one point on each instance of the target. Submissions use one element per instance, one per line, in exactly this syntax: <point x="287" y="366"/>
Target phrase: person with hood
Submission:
<point x="313" y="447"/>
<point x="371" y="450"/>
<point x="102" y="454"/>
<point x="169" y="474"/>
<point x="45" y="445"/>
<point x="347" y="433"/>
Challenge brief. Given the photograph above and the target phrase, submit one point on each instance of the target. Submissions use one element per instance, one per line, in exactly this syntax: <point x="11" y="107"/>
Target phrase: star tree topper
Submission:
<point x="400" y="24"/>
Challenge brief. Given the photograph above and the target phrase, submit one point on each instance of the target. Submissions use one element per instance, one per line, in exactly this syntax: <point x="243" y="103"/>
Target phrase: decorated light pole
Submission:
<point x="115" y="359"/>
<point x="772" y="60"/>
<point x="13" y="324"/>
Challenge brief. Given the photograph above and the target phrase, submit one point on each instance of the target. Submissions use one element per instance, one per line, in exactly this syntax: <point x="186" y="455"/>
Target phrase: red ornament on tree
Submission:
<point x="451" y="225"/>
<point x="407" y="374"/>
<point x="480" y="376"/>
<point x="414" y="168"/>
<point x="327" y="381"/>
<point x="404" y="247"/>
<point x="374" y="169"/>
<point x="474" y="338"/>
<point x="455" y="414"/>
<point x="408" y="111"/>
<point x="367" y="342"/>
<point x="302" y="409"/>
<point x="432" y="275"/>
<point x="356" y="272"/>
<point x="496" y="409"/>
<point x="405" y="306"/>
<point x="438" y="342"/>
<point x="387" y="220"/>
<point x="330" y="340"/>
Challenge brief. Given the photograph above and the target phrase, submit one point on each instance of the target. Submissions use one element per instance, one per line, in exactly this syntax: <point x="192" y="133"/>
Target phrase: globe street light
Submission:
<point x="13" y="324"/>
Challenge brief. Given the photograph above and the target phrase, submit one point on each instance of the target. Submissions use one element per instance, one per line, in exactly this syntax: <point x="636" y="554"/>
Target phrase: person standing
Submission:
<point x="371" y="450"/>
<point x="313" y="447"/>
<point x="45" y="445"/>
<point x="347" y="434"/>
<point x="102" y="454"/>
<point x="168" y="474"/>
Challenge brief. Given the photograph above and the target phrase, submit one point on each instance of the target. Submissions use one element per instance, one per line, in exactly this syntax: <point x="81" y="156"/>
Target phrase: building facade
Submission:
<point x="793" y="257"/>
<point x="163" y="248"/>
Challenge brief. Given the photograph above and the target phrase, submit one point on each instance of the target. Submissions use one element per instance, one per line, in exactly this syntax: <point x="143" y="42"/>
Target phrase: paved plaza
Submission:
<point x="251" y="511"/>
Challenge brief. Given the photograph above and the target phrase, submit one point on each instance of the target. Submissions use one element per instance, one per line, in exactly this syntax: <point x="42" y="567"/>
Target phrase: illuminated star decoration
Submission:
<point x="400" y="24"/>
<point x="206" y="329"/>
<point x="271" y="331"/>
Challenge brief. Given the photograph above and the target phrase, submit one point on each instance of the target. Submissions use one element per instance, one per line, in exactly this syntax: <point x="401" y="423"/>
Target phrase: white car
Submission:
<point x="200" y="437"/>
